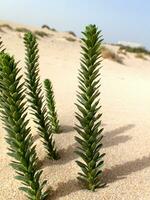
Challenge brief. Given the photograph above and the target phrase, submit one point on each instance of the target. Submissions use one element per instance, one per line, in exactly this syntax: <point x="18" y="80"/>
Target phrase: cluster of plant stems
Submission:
<point x="15" y="99"/>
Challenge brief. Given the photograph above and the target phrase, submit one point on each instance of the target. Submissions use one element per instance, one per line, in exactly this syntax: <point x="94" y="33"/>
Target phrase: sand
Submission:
<point x="125" y="100"/>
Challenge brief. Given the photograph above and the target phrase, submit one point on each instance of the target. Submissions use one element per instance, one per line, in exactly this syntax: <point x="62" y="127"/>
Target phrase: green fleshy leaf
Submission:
<point x="19" y="139"/>
<point x="35" y="95"/>
<point x="88" y="116"/>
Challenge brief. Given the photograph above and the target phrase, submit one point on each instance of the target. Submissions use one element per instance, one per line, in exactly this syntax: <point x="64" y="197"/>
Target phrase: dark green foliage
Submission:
<point x="41" y="34"/>
<point x="2" y="50"/>
<point x="22" y="30"/>
<point x="47" y="27"/>
<point x="7" y="26"/>
<point x="89" y="127"/>
<point x="72" y="33"/>
<point x="35" y="96"/>
<point x="1" y="46"/>
<point x="13" y="115"/>
<point x="135" y="49"/>
<point x="51" y="106"/>
<point x="70" y="39"/>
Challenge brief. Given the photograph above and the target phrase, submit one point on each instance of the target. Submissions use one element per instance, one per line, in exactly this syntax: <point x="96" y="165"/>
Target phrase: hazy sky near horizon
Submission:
<point x="127" y="20"/>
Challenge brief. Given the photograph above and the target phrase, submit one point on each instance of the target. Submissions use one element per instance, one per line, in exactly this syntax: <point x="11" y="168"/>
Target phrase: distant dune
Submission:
<point x="125" y="100"/>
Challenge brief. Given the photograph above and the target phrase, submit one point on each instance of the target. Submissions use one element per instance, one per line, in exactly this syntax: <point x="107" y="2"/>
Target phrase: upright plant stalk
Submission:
<point x="89" y="127"/>
<point x="13" y="115"/>
<point x="2" y="50"/>
<point x="35" y="96"/>
<point x="51" y="106"/>
<point x="1" y="46"/>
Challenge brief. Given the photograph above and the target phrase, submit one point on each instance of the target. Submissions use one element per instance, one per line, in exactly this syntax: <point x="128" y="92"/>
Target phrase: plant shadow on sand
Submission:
<point x="111" y="138"/>
<point x="66" y="155"/>
<point x="63" y="129"/>
<point x="66" y="128"/>
<point x="116" y="173"/>
<point x="110" y="175"/>
<point x="65" y="188"/>
<point x="119" y="172"/>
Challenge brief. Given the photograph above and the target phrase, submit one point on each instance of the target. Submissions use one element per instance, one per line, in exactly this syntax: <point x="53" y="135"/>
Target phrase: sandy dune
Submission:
<point x="125" y="99"/>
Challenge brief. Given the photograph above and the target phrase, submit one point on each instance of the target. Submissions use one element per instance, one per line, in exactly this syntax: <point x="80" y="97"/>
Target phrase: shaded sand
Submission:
<point x="125" y="99"/>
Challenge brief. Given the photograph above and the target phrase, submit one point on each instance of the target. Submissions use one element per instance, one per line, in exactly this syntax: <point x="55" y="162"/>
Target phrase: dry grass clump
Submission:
<point x="41" y="34"/>
<point x="140" y="56"/>
<point x="70" y="39"/>
<point x="47" y="27"/>
<point x="72" y="33"/>
<point x="6" y="26"/>
<point x="22" y="30"/>
<point x="107" y="53"/>
<point x="37" y="33"/>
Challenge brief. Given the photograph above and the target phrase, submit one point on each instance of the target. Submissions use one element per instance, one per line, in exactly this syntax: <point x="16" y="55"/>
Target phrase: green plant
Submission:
<point x="70" y="39"/>
<point x="6" y="26"/>
<point x="13" y="114"/>
<point x="35" y="95"/>
<point x="89" y="126"/>
<point x="22" y="30"/>
<point x="2" y="50"/>
<point x="47" y="27"/>
<point x="141" y="56"/>
<point x="1" y="46"/>
<point x="135" y="49"/>
<point x="41" y="33"/>
<point x="72" y="33"/>
<point x="51" y="106"/>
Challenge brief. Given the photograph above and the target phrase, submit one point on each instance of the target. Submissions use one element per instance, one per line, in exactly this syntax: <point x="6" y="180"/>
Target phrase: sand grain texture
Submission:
<point x="125" y="99"/>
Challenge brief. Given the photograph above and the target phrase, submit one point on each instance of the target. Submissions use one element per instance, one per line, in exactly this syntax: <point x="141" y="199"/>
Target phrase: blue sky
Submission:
<point x="127" y="20"/>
